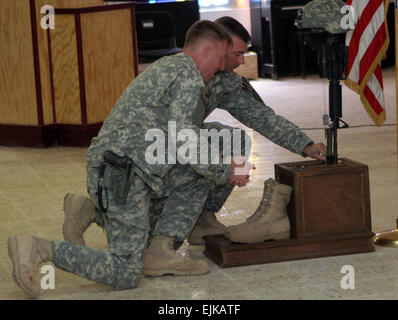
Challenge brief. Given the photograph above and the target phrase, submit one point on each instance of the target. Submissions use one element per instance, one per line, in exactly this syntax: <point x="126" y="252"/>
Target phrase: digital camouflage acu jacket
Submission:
<point x="234" y="94"/>
<point x="172" y="90"/>
<point x="168" y="91"/>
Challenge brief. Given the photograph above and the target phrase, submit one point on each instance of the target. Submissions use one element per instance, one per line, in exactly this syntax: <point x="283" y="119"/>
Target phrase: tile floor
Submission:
<point x="33" y="183"/>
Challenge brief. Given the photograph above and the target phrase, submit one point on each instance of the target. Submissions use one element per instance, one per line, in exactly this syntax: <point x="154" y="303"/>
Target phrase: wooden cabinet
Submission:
<point x="327" y="201"/>
<point x="58" y="85"/>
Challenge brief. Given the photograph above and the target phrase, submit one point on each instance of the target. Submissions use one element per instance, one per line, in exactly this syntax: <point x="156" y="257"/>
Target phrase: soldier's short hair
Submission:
<point x="206" y="30"/>
<point x="234" y="28"/>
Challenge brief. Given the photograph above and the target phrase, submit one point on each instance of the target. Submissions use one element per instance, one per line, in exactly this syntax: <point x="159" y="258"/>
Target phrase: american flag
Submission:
<point x="368" y="44"/>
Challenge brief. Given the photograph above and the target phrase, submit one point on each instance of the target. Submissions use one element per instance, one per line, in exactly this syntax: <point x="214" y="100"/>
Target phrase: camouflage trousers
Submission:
<point x="217" y="196"/>
<point x="128" y="227"/>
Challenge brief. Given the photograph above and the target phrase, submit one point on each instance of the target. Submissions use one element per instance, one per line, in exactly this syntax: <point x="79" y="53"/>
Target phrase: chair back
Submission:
<point x="155" y="30"/>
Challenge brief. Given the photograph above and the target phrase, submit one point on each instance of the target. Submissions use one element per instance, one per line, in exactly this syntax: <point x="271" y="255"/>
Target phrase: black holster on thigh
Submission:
<point x="114" y="175"/>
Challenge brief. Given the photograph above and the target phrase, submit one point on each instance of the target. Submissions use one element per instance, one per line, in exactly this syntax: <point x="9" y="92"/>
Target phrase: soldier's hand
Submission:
<point x="240" y="172"/>
<point x="316" y="151"/>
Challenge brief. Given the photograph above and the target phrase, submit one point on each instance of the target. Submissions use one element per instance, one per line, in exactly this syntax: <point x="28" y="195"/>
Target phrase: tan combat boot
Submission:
<point x="162" y="259"/>
<point x="207" y="224"/>
<point x="79" y="215"/>
<point x="26" y="253"/>
<point x="269" y="221"/>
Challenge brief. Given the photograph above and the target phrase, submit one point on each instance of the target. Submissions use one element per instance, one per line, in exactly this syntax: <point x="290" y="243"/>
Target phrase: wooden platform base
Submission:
<point x="227" y="254"/>
<point x="329" y="214"/>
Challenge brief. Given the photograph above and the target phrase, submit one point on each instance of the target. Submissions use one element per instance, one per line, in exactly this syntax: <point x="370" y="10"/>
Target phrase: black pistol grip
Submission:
<point x="115" y="160"/>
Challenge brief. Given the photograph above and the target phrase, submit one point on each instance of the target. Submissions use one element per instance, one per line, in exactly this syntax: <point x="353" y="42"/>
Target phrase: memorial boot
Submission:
<point x="207" y="224"/>
<point x="269" y="221"/>
<point x="26" y="253"/>
<point x="79" y="215"/>
<point x="162" y="259"/>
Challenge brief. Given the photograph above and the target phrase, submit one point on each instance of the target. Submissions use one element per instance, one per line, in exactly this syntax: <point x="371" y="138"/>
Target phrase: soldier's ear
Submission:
<point x="207" y="50"/>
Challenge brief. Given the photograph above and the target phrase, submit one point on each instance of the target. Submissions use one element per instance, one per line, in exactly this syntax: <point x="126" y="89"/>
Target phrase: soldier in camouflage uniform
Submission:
<point x="230" y="92"/>
<point x="166" y="91"/>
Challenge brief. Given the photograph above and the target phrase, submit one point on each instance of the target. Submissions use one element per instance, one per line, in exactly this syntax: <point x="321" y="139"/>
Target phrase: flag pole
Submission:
<point x="390" y="238"/>
<point x="396" y="61"/>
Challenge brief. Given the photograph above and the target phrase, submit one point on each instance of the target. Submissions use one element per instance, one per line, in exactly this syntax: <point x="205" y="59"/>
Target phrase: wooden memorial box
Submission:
<point x="329" y="213"/>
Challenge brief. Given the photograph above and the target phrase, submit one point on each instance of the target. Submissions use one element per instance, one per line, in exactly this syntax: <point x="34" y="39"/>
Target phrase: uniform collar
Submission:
<point x="189" y="60"/>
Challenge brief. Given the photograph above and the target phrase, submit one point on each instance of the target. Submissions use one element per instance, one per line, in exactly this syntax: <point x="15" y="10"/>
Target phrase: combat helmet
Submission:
<point x="322" y="15"/>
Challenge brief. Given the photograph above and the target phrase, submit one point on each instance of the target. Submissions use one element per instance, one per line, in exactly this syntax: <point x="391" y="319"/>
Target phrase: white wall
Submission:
<point x="240" y="14"/>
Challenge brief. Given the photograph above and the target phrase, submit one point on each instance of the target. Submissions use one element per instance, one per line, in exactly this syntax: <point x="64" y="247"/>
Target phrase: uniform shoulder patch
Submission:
<point x="246" y="85"/>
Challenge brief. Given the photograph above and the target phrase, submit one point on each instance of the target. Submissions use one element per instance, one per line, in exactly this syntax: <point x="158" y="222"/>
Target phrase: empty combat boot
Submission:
<point x="269" y="221"/>
<point x="79" y="215"/>
<point x="26" y="253"/>
<point x="207" y="224"/>
<point x="162" y="259"/>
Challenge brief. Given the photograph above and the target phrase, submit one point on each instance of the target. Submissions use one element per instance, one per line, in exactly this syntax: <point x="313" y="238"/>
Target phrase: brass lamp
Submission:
<point x="387" y="238"/>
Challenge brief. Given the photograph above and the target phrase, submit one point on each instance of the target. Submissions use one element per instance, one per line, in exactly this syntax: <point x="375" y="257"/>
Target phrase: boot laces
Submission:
<point x="170" y="248"/>
<point x="265" y="203"/>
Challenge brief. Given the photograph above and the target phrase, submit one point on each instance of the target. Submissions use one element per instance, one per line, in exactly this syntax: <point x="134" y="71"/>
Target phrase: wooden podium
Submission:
<point x="58" y="85"/>
<point x="329" y="213"/>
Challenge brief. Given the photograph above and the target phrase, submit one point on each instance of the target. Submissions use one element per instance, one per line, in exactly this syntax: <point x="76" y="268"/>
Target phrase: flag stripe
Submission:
<point x="378" y="74"/>
<point x="375" y="87"/>
<point x="372" y="100"/>
<point x="372" y="52"/>
<point x="359" y="30"/>
<point x="360" y="46"/>
<point x="367" y="45"/>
